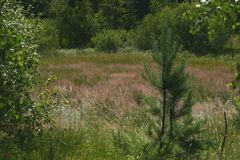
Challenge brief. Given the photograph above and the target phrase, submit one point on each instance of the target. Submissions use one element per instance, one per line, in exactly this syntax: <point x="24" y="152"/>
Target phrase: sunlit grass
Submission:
<point x="77" y="56"/>
<point x="99" y="58"/>
<point x="83" y="143"/>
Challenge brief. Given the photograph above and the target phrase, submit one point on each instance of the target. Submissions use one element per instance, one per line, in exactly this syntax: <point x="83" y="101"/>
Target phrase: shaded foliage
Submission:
<point x="110" y="40"/>
<point x="74" y="21"/>
<point x="21" y="116"/>
<point x="37" y="7"/>
<point x="150" y="28"/>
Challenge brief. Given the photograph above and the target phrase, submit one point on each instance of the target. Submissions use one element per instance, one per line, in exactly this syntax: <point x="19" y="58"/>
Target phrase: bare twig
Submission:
<point x="225" y="136"/>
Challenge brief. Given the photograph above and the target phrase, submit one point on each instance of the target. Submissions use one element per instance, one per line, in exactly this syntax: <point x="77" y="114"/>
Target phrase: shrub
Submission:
<point x="206" y="27"/>
<point x="200" y="28"/>
<point x="110" y="40"/>
<point x="150" y="28"/>
<point x="145" y="32"/>
<point x="217" y="26"/>
<point x="21" y="116"/>
<point x="48" y="36"/>
<point x="192" y="36"/>
<point x="74" y="21"/>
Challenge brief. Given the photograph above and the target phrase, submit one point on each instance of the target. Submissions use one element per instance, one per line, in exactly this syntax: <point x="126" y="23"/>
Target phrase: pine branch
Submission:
<point x="152" y="77"/>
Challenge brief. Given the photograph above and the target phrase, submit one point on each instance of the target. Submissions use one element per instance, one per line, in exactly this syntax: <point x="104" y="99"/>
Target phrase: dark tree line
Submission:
<point x="198" y="29"/>
<point x="115" y="11"/>
<point x="77" y="21"/>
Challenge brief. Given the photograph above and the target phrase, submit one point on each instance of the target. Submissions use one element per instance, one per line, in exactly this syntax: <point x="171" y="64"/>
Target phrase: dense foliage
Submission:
<point x="110" y="40"/>
<point x="48" y="36"/>
<point x="149" y="29"/>
<point x="21" y="116"/>
<point x="38" y="8"/>
<point x="201" y="27"/>
<point x="74" y="21"/>
<point x="206" y="27"/>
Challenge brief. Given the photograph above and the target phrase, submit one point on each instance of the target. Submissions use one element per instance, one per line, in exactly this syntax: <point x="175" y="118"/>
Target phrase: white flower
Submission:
<point x="198" y="5"/>
<point x="204" y="1"/>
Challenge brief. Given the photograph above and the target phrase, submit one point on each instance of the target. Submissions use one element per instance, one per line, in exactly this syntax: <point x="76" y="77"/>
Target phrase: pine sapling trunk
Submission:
<point x="171" y="119"/>
<point x="163" y="113"/>
<point x="164" y="101"/>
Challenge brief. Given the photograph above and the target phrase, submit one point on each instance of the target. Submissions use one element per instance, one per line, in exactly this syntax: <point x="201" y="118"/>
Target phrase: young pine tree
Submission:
<point x="173" y="134"/>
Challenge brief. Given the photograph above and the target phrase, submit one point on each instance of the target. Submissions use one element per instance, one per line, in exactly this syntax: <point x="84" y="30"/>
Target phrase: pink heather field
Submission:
<point x="119" y="78"/>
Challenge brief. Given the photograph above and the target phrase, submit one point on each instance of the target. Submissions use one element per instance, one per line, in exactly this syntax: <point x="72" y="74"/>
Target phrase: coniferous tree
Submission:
<point x="136" y="10"/>
<point x="111" y="11"/>
<point x="173" y="133"/>
<point x="75" y="22"/>
<point x="125" y="14"/>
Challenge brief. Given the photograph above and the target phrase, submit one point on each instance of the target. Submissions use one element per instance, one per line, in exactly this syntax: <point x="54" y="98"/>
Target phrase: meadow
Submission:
<point x="105" y="112"/>
<point x="119" y="80"/>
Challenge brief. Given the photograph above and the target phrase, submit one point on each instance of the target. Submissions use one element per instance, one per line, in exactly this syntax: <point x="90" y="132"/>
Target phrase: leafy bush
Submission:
<point x="110" y="40"/>
<point x="191" y="36"/>
<point x="205" y="27"/>
<point x="74" y="21"/>
<point x="145" y="32"/>
<point x="21" y="116"/>
<point x="48" y="36"/>
<point x="150" y="28"/>
<point x="200" y="28"/>
<point x="217" y="26"/>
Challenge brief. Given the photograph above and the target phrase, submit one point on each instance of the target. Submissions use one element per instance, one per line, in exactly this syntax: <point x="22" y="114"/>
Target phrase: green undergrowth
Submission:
<point x="73" y="56"/>
<point x="86" y="143"/>
<point x="103" y="133"/>
<point x="98" y="58"/>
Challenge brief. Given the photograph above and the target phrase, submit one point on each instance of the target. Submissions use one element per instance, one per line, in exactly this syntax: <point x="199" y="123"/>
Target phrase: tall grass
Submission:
<point x="95" y="133"/>
<point x="85" y="143"/>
